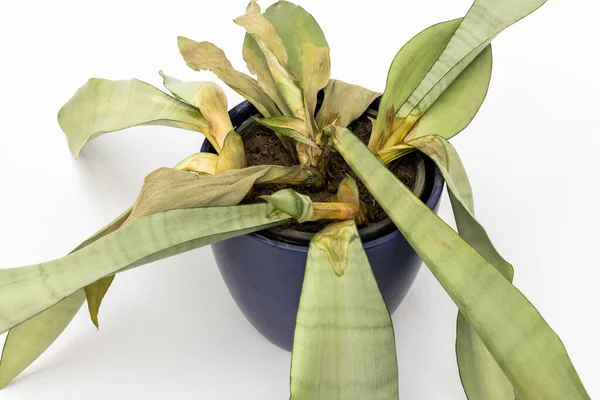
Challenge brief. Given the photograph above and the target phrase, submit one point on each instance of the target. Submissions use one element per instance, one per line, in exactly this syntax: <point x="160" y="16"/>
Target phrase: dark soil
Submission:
<point x="264" y="148"/>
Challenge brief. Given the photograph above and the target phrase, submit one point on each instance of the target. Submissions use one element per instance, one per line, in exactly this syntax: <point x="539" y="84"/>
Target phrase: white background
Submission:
<point x="170" y="330"/>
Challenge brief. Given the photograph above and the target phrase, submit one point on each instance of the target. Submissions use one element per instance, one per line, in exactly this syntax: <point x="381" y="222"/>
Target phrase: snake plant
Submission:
<point x="344" y="346"/>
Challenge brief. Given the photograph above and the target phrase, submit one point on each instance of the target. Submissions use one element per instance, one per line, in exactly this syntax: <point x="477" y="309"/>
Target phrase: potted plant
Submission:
<point x="274" y="191"/>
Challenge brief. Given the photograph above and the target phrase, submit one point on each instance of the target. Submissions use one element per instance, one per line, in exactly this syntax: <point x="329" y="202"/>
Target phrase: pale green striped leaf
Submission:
<point x="485" y="20"/>
<point x="456" y="106"/>
<point x="27" y="291"/>
<point x="102" y="106"/>
<point x="28" y="340"/>
<point x="185" y="91"/>
<point x="481" y="376"/>
<point x="527" y="349"/>
<point x="344" y="345"/>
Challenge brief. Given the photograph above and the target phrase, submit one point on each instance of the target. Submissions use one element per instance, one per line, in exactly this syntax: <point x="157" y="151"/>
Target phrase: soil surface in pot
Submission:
<point x="264" y="148"/>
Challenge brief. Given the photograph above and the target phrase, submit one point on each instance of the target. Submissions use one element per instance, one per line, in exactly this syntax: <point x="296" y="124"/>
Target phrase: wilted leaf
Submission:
<point x="527" y="349"/>
<point x="306" y="46"/>
<point x="102" y="106"/>
<point x="344" y="103"/>
<point x="201" y="163"/>
<point x="28" y="340"/>
<point x="27" y="291"/>
<point x="289" y="201"/>
<point x="232" y="155"/>
<point x="344" y="345"/>
<point x="185" y="91"/>
<point x="290" y="127"/>
<point x="207" y="56"/>
<point x="211" y="100"/>
<point x="481" y="376"/>
<point x="262" y="31"/>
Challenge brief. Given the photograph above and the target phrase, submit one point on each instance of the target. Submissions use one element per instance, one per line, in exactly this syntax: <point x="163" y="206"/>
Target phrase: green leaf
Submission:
<point x="527" y="349"/>
<point x="485" y="20"/>
<point x="290" y="127"/>
<point x="336" y="108"/>
<point x="274" y="52"/>
<point x="344" y="345"/>
<point x="102" y="106"/>
<point x="410" y="66"/>
<point x="184" y="91"/>
<point x="307" y="48"/>
<point x="481" y="376"/>
<point x="457" y="105"/>
<point x="202" y="56"/>
<point x="28" y="340"/>
<point x="27" y="291"/>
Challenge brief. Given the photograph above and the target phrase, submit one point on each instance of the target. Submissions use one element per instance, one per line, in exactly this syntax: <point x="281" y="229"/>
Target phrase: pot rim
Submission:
<point x="433" y="175"/>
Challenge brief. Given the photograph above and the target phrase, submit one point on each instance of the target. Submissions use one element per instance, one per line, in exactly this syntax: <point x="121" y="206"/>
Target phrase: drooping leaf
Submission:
<point x="206" y="56"/>
<point x="307" y="48"/>
<point x="201" y="163"/>
<point x="185" y="91"/>
<point x="27" y="291"/>
<point x="28" y="340"/>
<point x="211" y="100"/>
<point x="526" y="348"/>
<point x="102" y="106"/>
<point x="481" y="376"/>
<point x="344" y="103"/>
<point x="344" y="345"/>
<point x="233" y="155"/>
<point x="270" y="44"/>
<point x="168" y="188"/>
<point x="290" y="127"/>
<point x="289" y="201"/>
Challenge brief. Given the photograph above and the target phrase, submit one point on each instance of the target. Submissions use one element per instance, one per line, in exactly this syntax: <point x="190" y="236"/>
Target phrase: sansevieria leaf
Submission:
<point x="344" y="345"/>
<point x="290" y="127"/>
<point x="275" y="54"/>
<point x="185" y="91"/>
<point x="337" y="108"/>
<point x="481" y="376"/>
<point x="306" y="46"/>
<point x="526" y="348"/>
<point x="202" y="56"/>
<point x="27" y="291"/>
<point x="485" y="20"/>
<point x="102" y="106"/>
<point x="457" y="105"/>
<point x="28" y="340"/>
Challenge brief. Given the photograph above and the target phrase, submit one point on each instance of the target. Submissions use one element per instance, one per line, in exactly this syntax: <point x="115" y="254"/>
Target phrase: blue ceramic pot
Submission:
<point x="264" y="274"/>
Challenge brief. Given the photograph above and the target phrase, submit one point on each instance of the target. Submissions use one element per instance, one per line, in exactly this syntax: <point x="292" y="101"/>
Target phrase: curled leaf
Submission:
<point x="102" y="106"/>
<point x="290" y="127"/>
<point x="211" y="100"/>
<point x="185" y="91"/>
<point x="207" y="56"/>
<point x="343" y="103"/>
<point x="201" y="163"/>
<point x="232" y="155"/>
<point x="304" y="210"/>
